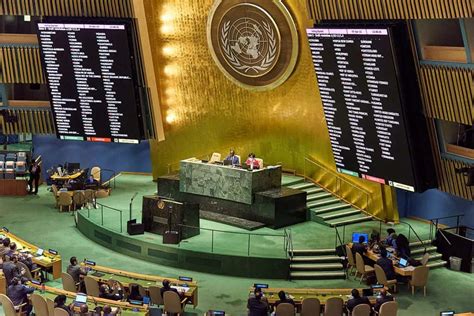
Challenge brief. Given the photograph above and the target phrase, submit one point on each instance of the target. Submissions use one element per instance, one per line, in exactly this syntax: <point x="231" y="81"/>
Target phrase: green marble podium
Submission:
<point x="226" y="182"/>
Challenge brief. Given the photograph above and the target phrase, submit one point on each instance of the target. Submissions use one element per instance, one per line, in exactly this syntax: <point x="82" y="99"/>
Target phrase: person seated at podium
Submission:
<point x="252" y="162"/>
<point x="233" y="158"/>
<point x="91" y="182"/>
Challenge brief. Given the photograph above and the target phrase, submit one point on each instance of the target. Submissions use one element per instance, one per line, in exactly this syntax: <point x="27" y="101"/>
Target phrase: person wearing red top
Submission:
<point x="252" y="162"/>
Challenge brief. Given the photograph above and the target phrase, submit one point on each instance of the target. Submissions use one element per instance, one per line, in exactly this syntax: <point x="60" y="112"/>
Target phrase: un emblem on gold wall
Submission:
<point x="254" y="43"/>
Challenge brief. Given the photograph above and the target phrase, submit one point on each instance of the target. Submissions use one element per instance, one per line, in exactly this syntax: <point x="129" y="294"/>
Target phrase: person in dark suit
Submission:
<point x="386" y="264"/>
<point x="35" y="174"/>
<point x="402" y="246"/>
<point x="17" y="293"/>
<point x="382" y="299"/>
<point x="115" y="293"/>
<point x="233" y="158"/>
<point x="283" y="299"/>
<point x="257" y="305"/>
<point x="60" y="302"/>
<point x="167" y="287"/>
<point x="360" y="247"/>
<point x="11" y="270"/>
<point x="356" y="300"/>
<point x="5" y="247"/>
<point x="77" y="273"/>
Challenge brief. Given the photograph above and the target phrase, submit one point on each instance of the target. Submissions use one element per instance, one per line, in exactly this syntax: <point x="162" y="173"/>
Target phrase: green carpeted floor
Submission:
<point x="35" y="219"/>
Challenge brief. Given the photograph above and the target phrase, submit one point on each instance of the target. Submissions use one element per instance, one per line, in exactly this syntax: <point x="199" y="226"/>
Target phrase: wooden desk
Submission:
<point x="126" y="308"/>
<point x="126" y="277"/>
<point x="57" y="177"/>
<point x="13" y="187"/>
<point x="408" y="271"/>
<point x="298" y="295"/>
<point x="47" y="261"/>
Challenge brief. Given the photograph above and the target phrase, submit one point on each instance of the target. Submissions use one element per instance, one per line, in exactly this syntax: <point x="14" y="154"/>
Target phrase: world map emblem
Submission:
<point x="254" y="43"/>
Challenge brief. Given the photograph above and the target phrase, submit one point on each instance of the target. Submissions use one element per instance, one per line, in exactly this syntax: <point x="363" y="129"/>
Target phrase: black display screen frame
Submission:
<point x="136" y="76"/>
<point x="411" y="109"/>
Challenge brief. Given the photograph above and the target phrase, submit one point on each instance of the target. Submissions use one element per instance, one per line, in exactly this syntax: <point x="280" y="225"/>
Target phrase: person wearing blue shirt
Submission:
<point x="233" y="158"/>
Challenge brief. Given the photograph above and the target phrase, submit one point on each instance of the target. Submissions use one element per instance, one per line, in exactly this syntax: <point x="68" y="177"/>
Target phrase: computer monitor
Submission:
<point x="80" y="298"/>
<point x="260" y="285"/>
<point x="227" y="162"/>
<point x="73" y="166"/>
<point x="355" y="237"/>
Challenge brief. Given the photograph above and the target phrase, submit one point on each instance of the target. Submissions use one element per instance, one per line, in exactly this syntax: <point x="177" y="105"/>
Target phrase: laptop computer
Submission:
<point x="80" y="299"/>
<point x="215" y="313"/>
<point x="403" y="263"/>
<point x="39" y="252"/>
<point x="136" y="302"/>
<point x="227" y="162"/>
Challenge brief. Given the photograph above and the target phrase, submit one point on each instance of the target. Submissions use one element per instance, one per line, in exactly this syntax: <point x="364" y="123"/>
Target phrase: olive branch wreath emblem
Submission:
<point x="235" y="62"/>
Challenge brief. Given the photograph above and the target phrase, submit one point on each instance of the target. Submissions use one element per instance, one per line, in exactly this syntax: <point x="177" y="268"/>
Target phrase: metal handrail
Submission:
<point x="102" y="213"/>
<point x="434" y="226"/>
<point x="416" y="234"/>
<point x="338" y="178"/>
<point x="337" y="175"/>
<point x="114" y="175"/>
<point x="284" y="236"/>
<point x="288" y="243"/>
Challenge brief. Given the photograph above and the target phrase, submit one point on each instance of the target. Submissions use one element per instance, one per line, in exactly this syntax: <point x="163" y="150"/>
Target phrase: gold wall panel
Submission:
<point x="205" y="112"/>
<point x="92" y="8"/>
<point x="20" y="65"/>
<point x="448" y="93"/>
<point x="29" y="121"/>
<point x="389" y="9"/>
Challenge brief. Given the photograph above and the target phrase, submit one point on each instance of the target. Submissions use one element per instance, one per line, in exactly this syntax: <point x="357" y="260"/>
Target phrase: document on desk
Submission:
<point x="409" y="268"/>
<point x="181" y="288"/>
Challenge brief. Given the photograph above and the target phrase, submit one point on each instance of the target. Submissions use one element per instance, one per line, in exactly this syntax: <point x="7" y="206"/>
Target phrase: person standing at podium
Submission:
<point x="233" y="158"/>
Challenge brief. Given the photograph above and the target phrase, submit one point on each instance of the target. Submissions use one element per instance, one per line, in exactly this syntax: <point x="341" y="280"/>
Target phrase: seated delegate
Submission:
<point x="233" y="158"/>
<point x="384" y="297"/>
<point x="283" y="298"/>
<point x="77" y="273"/>
<point x="356" y="300"/>
<point x="257" y="304"/>
<point x="17" y="292"/>
<point x="252" y="162"/>
<point x="115" y="293"/>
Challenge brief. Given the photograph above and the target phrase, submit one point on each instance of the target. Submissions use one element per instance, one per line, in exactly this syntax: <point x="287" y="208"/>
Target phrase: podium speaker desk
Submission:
<point x="159" y="213"/>
<point x="226" y="182"/>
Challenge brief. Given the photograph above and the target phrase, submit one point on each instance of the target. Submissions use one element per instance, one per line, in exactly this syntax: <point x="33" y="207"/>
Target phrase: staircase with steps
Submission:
<point x="326" y="208"/>
<point x="316" y="264"/>
<point x="417" y="252"/>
